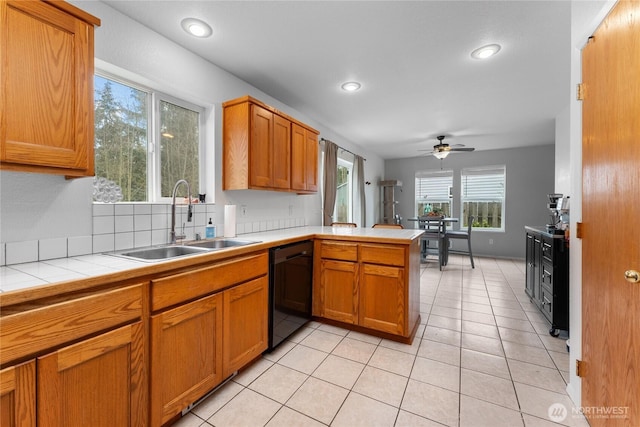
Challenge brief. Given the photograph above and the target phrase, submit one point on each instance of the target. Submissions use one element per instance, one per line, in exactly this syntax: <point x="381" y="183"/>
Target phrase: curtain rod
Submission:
<point x="343" y="149"/>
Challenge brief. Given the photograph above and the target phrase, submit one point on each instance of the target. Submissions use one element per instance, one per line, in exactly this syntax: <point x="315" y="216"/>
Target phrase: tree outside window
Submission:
<point x="123" y="132"/>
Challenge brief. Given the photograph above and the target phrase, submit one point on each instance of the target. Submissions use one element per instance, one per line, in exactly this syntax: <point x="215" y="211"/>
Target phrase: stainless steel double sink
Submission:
<point x="163" y="253"/>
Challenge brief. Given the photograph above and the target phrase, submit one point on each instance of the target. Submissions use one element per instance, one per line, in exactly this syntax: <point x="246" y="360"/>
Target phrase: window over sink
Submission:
<point x="145" y="141"/>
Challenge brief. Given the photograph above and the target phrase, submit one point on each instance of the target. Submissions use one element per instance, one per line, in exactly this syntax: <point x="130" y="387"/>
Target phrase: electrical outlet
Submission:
<point x="243" y="209"/>
<point x="491" y="241"/>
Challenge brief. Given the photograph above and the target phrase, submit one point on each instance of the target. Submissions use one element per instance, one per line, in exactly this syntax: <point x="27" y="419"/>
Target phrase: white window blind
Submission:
<point x="434" y="186"/>
<point x="483" y="196"/>
<point x="483" y="184"/>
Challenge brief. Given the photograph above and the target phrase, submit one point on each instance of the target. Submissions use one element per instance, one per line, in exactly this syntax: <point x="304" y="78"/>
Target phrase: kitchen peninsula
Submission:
<point x="144" y="322"/>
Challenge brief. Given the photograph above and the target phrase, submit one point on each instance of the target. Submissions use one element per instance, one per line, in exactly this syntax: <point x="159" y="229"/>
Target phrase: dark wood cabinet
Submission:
<point x="547" y="276"/>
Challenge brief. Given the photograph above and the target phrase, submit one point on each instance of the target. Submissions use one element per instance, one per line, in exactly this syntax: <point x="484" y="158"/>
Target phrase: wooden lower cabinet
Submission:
<point x="382" y="298"/>
<point x="100" y="381"/>
<point x="245" y="324"/>
<point x="186" y="356"/>
<point x="18" y="395"/>
<point x="339" y="290"/>
<point x="375" y="286"/>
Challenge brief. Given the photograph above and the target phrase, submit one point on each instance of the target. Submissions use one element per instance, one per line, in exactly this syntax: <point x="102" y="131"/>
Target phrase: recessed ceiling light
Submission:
<point x="351" y="86"/>
<point x="485" y="52"/>
<point x="196" y="27"/>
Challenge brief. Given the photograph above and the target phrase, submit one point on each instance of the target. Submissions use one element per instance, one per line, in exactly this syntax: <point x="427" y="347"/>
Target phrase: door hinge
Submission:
<point x="579" y="231"/>
<point x="580" y="91"/>
<point x="579" y="368"/>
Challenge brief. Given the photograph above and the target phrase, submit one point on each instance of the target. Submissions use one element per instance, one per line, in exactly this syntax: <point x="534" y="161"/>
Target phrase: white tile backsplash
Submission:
<point x="52" y="248"/>
<point x="123" y="223"/>
<point x="79" y="245"/>
<point x="123" y="226"/>
<point x="103" y="224"/>
<point x="19" y="252"/>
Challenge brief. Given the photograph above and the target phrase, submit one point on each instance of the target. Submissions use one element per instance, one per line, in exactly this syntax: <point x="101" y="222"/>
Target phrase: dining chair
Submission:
<point x="433" y="232"/>
<point x="399" y="226"/>
<point x="462" y="235"/>
<point x="344" y="224"/>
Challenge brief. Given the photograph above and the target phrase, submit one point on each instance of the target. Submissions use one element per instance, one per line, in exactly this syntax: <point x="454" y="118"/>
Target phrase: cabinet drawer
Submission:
<point x="382" y="254"/>
<point x="189" y="285"/>
<point x="546" y="301"/>
<point x="51" y="325"/>
<point x="547" y="249"/>
<point x="339" y="250"/>
<point x="547" y="275"/>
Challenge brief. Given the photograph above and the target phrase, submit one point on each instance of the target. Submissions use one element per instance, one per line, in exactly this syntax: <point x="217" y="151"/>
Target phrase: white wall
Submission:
<point x="35" y="206"/>
<point x="530" y="177"/>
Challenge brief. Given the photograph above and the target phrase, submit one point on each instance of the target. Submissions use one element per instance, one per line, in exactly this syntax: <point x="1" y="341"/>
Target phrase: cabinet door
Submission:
<point x="304" y="159"/>
<point x="298" y="159"/>
<point x="46" y="111"/>
<point x="18" y="395"/>
<point x="382" y="298"/>
<point x="537" y="269"/>
<point x="246" y="321"/>
<point x="281" y="153"/>
<point x="339" y="290"/>
<point x="186" y="356"/>
<point x="97" y="382"/>
<point x="311" y="161"/>
<point x="260" y="165"/>
<point x="529" y="258"/>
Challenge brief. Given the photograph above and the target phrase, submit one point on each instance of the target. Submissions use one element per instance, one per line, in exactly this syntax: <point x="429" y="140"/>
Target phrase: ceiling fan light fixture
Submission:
<point x="351" y="86"/>
<point x="440" y="154"/>
<point x="485" y="52"/>
<point x="196" y="27"/>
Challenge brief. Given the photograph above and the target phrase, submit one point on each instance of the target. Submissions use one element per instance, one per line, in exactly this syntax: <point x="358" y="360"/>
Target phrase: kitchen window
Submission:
<point x="483" y="196"/>
<point x="433" y="192"/>
<point x="145" y="141"/>
<point x="344" y="192"/>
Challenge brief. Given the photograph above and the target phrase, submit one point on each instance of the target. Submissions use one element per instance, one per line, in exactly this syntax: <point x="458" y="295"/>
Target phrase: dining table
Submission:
<point x="438" y="224"/>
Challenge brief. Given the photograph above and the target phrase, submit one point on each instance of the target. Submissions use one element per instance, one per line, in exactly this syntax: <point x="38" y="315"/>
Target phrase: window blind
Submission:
<point x="483" y="184"/>
<point x="434" y="186"/>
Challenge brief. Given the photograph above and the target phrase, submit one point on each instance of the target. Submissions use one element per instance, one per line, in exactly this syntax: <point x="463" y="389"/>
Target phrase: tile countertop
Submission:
<point x="28" y="276"/>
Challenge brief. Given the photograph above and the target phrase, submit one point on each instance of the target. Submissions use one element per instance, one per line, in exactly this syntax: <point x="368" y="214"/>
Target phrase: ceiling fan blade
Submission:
<point x="463" y="149"/>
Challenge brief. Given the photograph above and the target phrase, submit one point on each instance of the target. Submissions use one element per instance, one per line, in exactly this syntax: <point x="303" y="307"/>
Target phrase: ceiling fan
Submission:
<point x="442" y="150"/>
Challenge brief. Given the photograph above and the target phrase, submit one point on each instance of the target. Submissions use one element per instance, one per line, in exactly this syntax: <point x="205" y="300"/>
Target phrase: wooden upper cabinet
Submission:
<point x="281" y="153"/>
<point x="46" y="76"/>
<point x="304" y="159"/>
<point x="262" y="151"/>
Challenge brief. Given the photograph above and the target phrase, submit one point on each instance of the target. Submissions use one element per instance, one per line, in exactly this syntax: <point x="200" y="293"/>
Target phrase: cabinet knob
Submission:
<point x="632" y="276"/>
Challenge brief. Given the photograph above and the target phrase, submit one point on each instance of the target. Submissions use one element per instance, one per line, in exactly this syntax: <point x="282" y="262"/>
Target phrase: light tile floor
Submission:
<point x="481" y="357"/>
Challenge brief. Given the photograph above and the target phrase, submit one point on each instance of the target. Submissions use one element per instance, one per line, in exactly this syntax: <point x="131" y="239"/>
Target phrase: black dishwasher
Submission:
<point x="290" y="275"/>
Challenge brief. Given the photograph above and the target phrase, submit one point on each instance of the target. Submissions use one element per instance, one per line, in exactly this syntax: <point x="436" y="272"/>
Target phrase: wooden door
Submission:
<point x="97" y="382"/>
<point x="339" y="290"/>
<point x="298" y="159"/>
<point x="186" y="356"/>
<point x="382" y="298"/>
<point x="281" y="153"/>
<point x="260" y="165"/>
<point x="246" y="320"/>
<point x="18" y="395"/>
<point x="46" y="107"/>
<point x="611" y="194"/>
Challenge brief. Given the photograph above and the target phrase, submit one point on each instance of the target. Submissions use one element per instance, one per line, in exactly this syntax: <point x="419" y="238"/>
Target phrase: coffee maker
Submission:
<point x="559" y="213"/>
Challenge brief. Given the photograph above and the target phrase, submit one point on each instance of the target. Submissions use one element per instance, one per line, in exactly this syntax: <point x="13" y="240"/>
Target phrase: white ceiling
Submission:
<point x="412" y="58"/>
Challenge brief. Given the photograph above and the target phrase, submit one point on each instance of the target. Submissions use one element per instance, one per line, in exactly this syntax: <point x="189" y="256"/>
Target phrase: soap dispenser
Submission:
<point x="210" y="231"/>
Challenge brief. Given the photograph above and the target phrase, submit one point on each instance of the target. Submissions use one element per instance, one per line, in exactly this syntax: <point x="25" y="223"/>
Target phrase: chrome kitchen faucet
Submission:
<point x="172" y="233"/>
